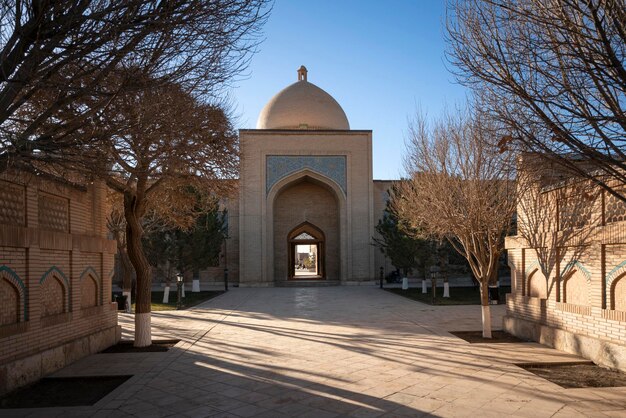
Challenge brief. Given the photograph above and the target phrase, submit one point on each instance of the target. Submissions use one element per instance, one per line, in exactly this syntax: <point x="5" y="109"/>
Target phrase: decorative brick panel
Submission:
<point x="615" y="209"/>
<point x="54" y="212"/>
<point x="577" y="309"/>
<point x="614" y="315"/>
<point x="574" y="212"/>
<point x="12" y="203"/>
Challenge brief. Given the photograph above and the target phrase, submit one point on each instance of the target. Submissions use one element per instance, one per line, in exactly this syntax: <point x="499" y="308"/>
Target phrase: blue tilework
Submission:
<point x="280" y="166"/>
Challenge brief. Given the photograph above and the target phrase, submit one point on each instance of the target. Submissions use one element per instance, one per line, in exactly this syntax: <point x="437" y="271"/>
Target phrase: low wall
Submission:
<point x="602" y="352"/>
<point x="23" y="371"/>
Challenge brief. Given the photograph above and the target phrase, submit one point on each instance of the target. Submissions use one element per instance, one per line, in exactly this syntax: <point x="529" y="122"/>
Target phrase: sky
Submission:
<point x="381" y="60"/>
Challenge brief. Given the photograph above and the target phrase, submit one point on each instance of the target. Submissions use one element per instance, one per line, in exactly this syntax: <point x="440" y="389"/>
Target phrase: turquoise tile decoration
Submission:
<point x="281" y="166"/>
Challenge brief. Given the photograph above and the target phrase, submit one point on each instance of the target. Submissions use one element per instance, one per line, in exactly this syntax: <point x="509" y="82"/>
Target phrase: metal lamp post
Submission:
<point x="179" y="287"/>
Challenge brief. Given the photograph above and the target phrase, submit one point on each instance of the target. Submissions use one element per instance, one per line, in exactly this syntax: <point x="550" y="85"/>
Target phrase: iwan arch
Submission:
<point x="306" y="210"/>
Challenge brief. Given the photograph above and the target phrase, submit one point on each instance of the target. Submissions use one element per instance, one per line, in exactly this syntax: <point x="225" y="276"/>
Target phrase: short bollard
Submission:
<point x="382" y="273"/>
<point x="405" y="283"/>
<point x="226" y="279"/>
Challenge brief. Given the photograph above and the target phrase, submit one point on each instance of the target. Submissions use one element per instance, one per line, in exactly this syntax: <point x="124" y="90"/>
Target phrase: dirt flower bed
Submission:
<point x="582" y="375"/>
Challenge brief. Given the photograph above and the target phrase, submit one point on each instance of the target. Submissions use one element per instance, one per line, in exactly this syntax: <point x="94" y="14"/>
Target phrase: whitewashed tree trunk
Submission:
<point x="129" y="302"/>
<point x="166" y="294"/>
<point x="446" y="289"/>
<point x="424" y="290"/>
<point x="183" y="292"/>
<point x="405" y="283"/>
<point x="143" y="334"/>
<point x="195" y="285"/>
<point x="486" y="314"/>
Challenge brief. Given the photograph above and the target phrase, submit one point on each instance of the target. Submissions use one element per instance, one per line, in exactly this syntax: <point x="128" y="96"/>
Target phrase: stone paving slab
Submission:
<point x="330" y="352"/>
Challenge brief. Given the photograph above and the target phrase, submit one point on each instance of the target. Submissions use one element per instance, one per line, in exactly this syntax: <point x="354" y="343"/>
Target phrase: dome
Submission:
<point x="302" y="105"/>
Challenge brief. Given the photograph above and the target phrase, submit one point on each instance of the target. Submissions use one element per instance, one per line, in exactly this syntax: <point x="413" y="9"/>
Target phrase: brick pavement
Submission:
<point x="329" y="352"/>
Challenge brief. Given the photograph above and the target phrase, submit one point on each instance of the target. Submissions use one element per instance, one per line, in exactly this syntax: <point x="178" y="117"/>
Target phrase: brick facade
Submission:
<point x="55" y="277"/>
<point x="569" y="271"/>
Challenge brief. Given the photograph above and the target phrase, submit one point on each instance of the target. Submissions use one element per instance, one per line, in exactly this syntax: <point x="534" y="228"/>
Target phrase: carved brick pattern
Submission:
<point x="53" y="212"/>
<point x="615" y="209"/>
<point x="12" y="203"/>
<point x="9" y="303"/>
<point x="614" y="315"/>
<point x="53" y="297"/>
<point x="574" y="212"/>
<point x="573" y="308"/>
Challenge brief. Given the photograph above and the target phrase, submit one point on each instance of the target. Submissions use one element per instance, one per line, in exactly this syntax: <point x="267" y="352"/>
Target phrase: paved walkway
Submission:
<point x="327" y="352"/>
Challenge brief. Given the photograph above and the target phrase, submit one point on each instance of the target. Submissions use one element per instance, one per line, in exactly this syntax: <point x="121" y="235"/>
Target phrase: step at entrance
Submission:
<point x="308" y="283"/>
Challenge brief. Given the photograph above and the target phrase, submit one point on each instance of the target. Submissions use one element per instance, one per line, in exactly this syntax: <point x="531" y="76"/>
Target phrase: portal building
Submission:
<point x="307" y="203"/>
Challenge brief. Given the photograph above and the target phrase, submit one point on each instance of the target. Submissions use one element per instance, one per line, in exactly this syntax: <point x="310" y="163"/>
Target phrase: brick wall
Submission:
<point x="46" y="256"/>
<point x="569" y="274"/>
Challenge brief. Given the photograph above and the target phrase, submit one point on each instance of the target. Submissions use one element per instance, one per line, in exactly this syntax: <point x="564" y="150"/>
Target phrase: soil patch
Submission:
<point x="458" y="295"/>
<point x="62" y="391"/>
<point x="476" y="337"/>
<point x="158" y="346"/>
<point x="577" y="375"/>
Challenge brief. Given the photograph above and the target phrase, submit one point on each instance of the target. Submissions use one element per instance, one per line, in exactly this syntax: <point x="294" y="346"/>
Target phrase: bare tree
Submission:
<point x="157" y="148"/>
<point x="460" y="189"/>
<point x="554" y="72"/>
<point x="57" y="55"/>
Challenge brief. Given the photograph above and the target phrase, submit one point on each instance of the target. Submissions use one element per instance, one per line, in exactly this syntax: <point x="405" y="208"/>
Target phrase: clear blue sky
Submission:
<point x="380" y="60"/>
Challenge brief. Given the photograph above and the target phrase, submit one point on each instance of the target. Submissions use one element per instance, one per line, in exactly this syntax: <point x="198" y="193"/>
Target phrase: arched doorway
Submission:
<point x="306" y="252"/>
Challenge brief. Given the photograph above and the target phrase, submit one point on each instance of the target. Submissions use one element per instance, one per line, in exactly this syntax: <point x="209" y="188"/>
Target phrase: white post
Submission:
<point x="405" y="283"/>
<point x="143" y="332"/>
<point x="486" y="314"/>
<point x="195" y="285"/>
<point x="166" y="294"/>
<point x="129" y="304"/>
<point x="424" y="286"/>
<point x="446" y="289"/>
<point x="183" y="292"/>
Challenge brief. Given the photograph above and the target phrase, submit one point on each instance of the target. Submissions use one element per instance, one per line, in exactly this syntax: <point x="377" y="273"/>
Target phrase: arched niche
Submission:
<point x="618" y="293"/>
<point x="537" y="286"/>
<point x="306" y="196"/>
<point x="576" y="288"/>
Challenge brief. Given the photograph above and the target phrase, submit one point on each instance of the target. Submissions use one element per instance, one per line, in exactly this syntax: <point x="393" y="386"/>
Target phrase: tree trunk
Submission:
<point x="134" y="233"/>
<point x="485" y="308"/>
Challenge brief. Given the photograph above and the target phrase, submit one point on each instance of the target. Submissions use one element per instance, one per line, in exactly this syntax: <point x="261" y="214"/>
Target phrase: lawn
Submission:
<point x="190" y="299"/>
<point x="458" y="295"/>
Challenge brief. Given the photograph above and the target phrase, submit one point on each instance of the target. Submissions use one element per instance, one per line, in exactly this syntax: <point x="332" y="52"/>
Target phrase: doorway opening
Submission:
<point x="306" y="253"/>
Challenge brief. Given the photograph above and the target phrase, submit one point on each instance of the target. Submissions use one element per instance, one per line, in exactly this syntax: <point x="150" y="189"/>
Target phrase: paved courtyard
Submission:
<point x="328" y="352"/>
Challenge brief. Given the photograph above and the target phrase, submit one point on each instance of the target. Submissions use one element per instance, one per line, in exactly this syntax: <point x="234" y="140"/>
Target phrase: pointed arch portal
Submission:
<point x="306" y="244"/>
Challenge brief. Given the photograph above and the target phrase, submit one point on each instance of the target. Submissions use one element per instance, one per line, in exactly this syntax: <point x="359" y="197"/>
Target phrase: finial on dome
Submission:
<point x="302" y="73"/>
